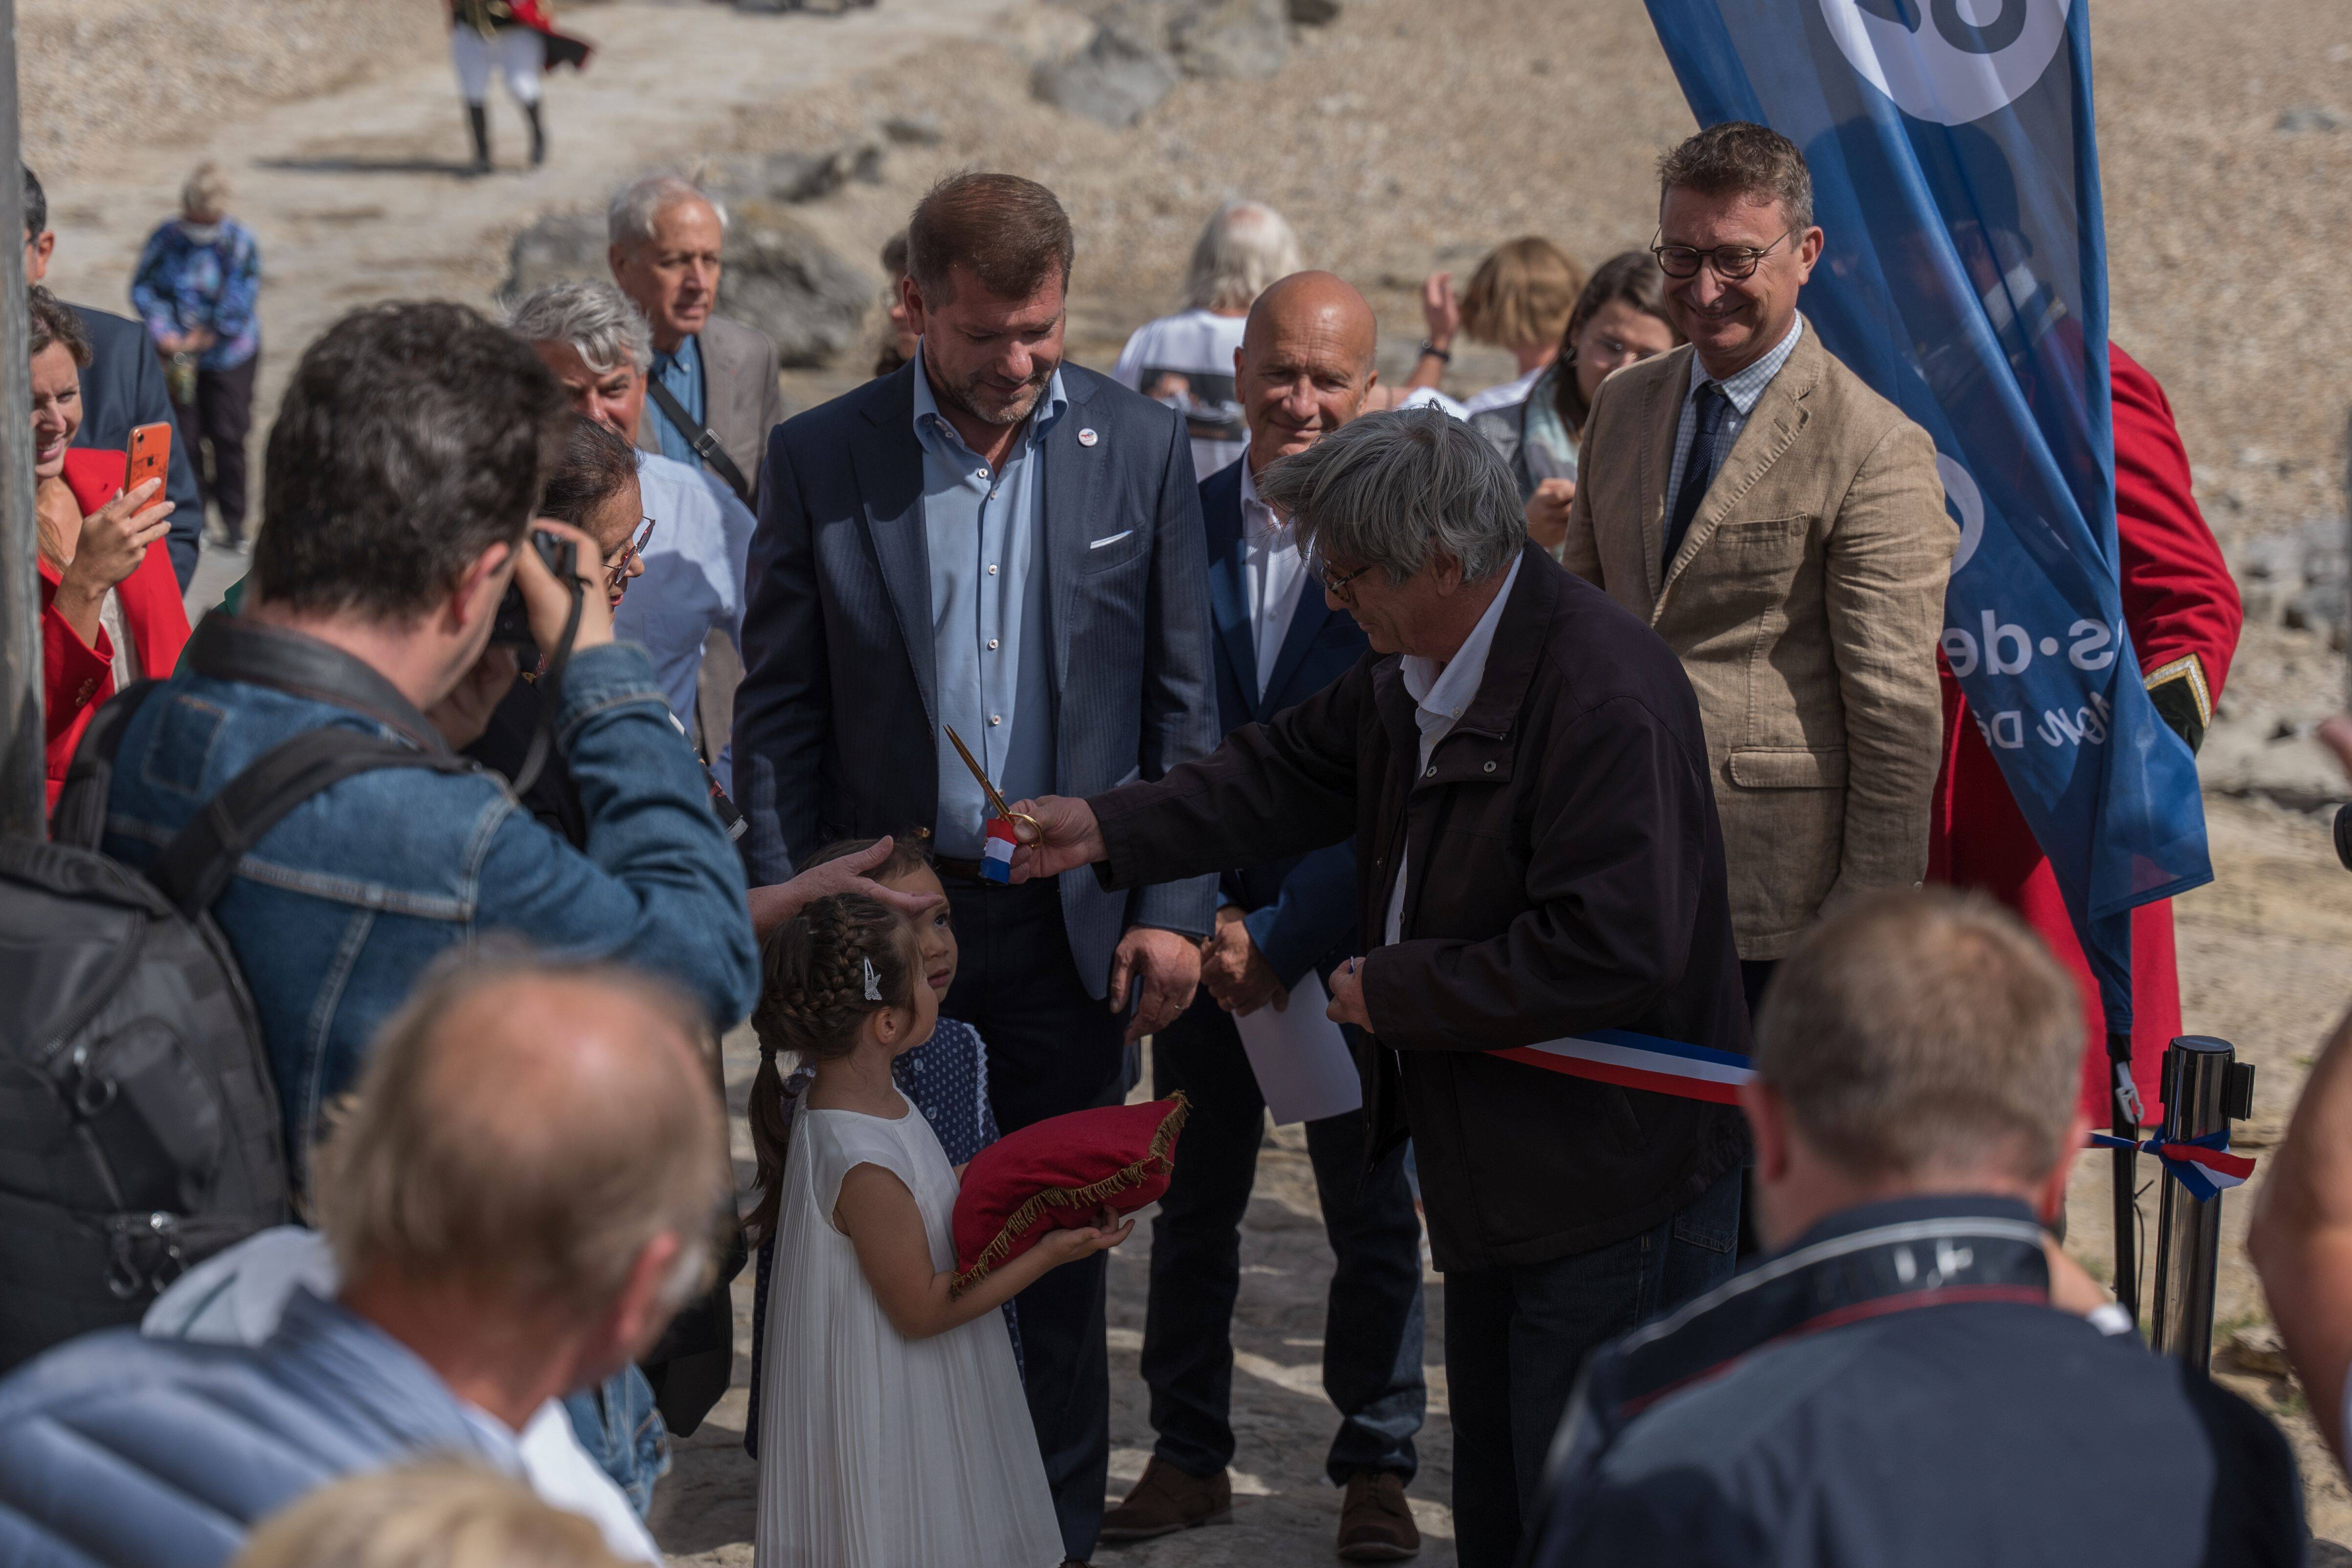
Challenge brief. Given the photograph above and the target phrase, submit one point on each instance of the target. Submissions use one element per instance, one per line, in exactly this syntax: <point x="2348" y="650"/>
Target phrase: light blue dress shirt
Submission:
<point x="681" y="372"/>
<point x="1740" y="392"/>
<point x="693" y="580"/>
<point x="984" y="529"/>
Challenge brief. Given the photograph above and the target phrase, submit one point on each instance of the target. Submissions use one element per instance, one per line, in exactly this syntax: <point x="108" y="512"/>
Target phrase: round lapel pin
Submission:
<point x="1087" y="437"/>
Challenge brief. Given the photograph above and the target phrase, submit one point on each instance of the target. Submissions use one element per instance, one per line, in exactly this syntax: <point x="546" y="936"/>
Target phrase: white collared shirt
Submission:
<point x="1272" y="571"/>
<point x="1442" y="693"/>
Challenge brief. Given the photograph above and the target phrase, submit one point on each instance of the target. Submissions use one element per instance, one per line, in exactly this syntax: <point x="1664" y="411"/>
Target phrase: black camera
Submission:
<point x="512" y="626"/>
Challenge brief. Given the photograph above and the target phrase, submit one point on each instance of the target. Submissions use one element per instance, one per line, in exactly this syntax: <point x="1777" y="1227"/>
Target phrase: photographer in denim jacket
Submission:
<point x="401" y="476"/>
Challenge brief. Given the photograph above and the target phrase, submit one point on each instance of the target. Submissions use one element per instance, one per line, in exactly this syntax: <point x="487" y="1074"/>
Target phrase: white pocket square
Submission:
<point x="1114" y="538"/>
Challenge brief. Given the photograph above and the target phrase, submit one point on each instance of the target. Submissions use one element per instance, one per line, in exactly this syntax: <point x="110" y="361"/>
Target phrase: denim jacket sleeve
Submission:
<point x="658" y="887"/>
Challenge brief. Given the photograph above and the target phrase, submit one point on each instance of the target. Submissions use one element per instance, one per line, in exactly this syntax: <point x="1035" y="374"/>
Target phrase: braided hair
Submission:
<point x="814" y="1002"/>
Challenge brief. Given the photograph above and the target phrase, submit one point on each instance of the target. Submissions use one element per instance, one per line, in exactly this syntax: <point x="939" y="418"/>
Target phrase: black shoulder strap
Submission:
<point x="80" y="816"/>
<point x="194" y="868"/>
<point x="706" y="445"/>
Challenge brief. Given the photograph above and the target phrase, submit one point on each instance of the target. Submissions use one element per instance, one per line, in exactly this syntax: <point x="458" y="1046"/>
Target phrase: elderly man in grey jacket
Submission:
<point x="524" y="1196"/>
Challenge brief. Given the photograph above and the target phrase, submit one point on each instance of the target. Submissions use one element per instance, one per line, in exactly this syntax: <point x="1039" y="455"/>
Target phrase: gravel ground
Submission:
<point x="103" y="75"/>
<point x="1408" y="136"/>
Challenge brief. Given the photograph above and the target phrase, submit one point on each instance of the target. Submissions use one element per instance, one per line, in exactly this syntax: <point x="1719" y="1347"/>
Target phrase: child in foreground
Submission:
<point x="893" y="1429"/>
<point x="946" y="1077"/>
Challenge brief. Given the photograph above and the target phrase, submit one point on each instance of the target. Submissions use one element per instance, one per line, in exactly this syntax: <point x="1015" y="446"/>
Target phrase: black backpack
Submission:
<point x="139" y="1130"/>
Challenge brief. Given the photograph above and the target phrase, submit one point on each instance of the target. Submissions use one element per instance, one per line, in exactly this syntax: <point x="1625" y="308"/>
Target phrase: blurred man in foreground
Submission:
<point x="526" y="1191"/>
<point x="1906" y="1380"/>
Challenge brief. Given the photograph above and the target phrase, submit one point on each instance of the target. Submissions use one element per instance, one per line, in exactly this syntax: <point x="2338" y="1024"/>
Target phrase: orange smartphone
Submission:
<point x="150" y="456"/>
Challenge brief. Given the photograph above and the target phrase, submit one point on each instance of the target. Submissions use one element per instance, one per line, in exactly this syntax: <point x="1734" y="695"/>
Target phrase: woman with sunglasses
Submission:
<point x="1620" y="319"/>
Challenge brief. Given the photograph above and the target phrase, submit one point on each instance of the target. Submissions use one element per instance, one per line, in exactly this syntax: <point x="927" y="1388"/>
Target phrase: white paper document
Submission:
<point x="1300" y="1056"/>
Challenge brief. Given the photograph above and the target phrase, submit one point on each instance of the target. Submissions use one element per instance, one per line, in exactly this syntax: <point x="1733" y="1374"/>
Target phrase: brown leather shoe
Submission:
<point x="1375" y="1523"/>
<point x="1165" y="1500"/>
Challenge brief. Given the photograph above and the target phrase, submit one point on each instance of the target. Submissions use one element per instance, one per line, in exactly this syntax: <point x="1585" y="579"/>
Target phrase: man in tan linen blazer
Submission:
<point x="1805" y="593"/>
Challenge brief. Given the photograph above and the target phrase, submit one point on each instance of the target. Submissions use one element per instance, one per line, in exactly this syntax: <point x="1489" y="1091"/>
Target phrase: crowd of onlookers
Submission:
<point x="1551" y="756"/>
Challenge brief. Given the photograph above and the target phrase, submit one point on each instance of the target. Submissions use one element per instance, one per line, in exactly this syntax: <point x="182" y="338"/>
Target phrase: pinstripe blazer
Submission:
<point x="836" y="723"/>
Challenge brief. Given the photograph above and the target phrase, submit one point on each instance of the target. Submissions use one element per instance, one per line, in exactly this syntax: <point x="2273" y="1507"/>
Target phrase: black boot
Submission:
<point x="538" y="134"/>
<point x="478" y="117"/>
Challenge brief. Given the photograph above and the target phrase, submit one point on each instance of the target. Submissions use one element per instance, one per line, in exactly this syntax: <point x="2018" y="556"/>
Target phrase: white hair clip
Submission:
<point x="873" y="981"/>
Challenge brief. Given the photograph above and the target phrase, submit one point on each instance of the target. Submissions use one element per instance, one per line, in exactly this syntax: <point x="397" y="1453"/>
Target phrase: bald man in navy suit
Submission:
<point x="1304" y="367"/>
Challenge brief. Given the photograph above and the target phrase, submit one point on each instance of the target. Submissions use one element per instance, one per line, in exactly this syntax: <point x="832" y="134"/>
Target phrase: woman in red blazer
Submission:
<point x="2182" y="607"/>
<point x="106" y="573"/>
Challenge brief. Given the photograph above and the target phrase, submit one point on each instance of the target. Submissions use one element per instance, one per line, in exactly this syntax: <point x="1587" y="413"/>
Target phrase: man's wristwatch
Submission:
<point x="1430" y="351"/>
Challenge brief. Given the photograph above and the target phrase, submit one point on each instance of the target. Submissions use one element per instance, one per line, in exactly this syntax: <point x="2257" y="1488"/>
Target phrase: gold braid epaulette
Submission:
<point x="1125" y="1179"/>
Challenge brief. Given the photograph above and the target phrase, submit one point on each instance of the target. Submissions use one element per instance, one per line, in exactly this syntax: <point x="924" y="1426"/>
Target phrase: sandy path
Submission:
<point x="361" y="195"/>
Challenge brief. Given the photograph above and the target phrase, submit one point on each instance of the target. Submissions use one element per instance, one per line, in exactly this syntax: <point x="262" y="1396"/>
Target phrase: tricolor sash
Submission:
<point x="1642" y="1061"/>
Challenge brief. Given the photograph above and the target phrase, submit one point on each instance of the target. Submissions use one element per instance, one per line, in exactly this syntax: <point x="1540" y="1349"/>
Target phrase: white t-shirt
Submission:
<point x="1430" y="398"/>
<point x="1186" y="361"/>
<point x="236" y="1298"/>
<point x="1503" y="396"/>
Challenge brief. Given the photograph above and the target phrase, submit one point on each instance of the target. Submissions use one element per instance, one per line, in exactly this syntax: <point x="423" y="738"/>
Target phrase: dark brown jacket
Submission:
<point x="1566" y="874"/>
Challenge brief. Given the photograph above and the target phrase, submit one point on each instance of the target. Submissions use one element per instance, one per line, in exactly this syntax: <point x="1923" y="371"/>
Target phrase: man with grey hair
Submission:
<point x="713" y="384"/>
<point x="1918" y="1375"/>
<point x="1186" y="360"/>
<point x="526" y="1190"/>
<point x="690" y="599"/>
<point x="1522" y="767"/>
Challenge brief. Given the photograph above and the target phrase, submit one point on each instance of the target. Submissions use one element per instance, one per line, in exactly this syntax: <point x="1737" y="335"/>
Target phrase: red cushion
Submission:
<point x="1058" y="1173"/>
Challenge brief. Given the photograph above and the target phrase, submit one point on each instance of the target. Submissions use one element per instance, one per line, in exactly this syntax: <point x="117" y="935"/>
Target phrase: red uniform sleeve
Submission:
<point x="2179" y="601"/>
<point x="75" y="676"/>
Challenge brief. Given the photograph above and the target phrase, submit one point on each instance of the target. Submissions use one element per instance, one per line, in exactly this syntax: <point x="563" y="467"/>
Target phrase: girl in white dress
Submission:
<point x="893" y="1429"/>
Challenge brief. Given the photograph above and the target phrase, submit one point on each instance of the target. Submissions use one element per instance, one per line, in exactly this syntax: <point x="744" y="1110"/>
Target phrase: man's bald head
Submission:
<point x="1305" y="363"/>
<point x="523" y="1131"/>
<point x="1318" y="302"/>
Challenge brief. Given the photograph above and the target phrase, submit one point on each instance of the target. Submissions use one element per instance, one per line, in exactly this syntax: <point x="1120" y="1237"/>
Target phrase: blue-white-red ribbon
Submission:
<point x="1642" y="1061"/>
<point x="2203" y="1165"/>
<point x="996" y="850"/>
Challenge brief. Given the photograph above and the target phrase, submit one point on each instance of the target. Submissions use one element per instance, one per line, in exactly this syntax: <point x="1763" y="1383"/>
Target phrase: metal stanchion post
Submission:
<point x="2205" y="1087"/>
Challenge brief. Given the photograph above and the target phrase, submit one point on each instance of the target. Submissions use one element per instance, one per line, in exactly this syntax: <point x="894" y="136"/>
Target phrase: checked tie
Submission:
<point x="1698" y="472"/>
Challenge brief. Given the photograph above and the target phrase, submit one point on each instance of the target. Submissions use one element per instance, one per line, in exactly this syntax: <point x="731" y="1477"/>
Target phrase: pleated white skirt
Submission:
<point x="877" y="1451"/>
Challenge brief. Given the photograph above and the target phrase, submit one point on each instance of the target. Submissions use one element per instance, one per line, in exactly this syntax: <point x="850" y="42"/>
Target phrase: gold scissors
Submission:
<point x="1018" y="818"/>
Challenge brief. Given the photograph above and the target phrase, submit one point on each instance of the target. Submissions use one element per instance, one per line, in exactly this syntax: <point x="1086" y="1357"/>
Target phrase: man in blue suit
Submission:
<point x="1305" y="364"/>
<point x="992" y="540"/>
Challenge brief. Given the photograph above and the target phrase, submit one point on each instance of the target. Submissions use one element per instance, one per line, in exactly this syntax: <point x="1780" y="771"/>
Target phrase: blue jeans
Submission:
<point x="617" y="1422"/>
<point x="1373" y="1320"/>
<point x="1516" y="1337"/>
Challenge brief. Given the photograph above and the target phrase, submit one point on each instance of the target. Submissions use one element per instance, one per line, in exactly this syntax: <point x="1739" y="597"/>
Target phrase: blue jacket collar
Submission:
<point x="1865" y="1262"/>
<point x="359" y="1366"/>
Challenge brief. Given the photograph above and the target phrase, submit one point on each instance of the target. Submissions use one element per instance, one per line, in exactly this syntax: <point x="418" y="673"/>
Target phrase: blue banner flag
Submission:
<point x="1956" y="175"/>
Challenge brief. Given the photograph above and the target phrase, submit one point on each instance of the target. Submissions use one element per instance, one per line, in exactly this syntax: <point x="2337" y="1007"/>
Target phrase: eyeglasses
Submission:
<point x="617" y="569"/>
<point x="1732" y="262"/>
<point x="1334" y="583"/>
